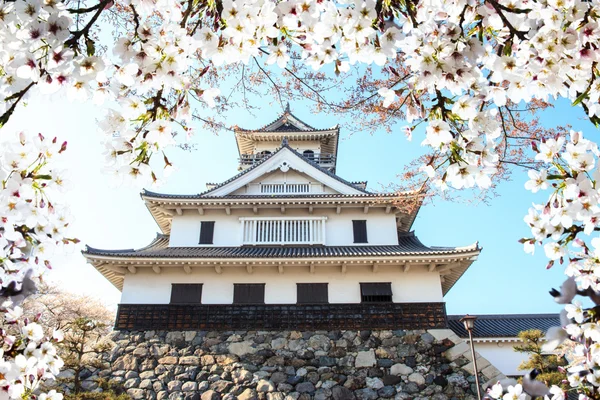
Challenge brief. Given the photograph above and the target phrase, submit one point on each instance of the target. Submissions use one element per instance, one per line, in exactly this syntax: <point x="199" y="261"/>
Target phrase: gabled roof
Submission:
<point x="290" y="126"/>
<point x="348" y="193"/>
<point x="256" y="166"/>
<point x="286" y="122"/>
<point x="409" y="246"/>
<point x="504" y="325"/>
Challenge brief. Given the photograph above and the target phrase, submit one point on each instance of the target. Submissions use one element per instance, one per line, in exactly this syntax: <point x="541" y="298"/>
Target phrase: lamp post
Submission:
<point x="469" y="323"/>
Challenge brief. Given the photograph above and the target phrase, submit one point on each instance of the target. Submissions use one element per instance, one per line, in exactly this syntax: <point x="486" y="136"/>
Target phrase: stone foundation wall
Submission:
<point x="292" y="365"/>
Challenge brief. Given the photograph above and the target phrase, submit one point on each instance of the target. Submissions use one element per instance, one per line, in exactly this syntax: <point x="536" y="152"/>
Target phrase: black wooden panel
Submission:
<point x="360" y="231"/>
<point x="312" y="293"/>
<point x="223" y="317"/>
<point x="249" y="293"/>
<point x="186" y="293"/>
<point x="207" y="230"/>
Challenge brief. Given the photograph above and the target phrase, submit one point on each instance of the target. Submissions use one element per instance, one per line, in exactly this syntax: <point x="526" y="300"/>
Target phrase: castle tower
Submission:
<point x="284" y="244"/>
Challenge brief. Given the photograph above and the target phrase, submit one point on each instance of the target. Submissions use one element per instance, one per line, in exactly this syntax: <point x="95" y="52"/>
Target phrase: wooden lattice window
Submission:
<point x="312" y="293"/>
<point x="186" y="293"/>
<point x="249" y="293"/>
<point x="360" y="231"/>
<point x="207" y="232"/>
<point x="376" y="292"/>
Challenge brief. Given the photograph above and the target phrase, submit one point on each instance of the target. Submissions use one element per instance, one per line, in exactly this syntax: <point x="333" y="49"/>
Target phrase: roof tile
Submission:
<point x="504" y="325"/>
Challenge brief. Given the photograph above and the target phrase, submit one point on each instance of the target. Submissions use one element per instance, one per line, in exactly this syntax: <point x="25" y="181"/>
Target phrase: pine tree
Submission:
<point x="547" y="364"/>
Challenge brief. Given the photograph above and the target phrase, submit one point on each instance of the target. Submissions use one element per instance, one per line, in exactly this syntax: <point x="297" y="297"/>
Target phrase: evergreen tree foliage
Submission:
<point x="547" y="364"/>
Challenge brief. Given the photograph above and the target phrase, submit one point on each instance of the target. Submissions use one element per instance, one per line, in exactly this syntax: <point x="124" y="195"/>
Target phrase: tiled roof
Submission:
<point x="503" y="325"/>
<point x="408" y="245"/>
<point x="247" y="170"/>
<point x="269" y="196"/>
<point x="286" y="122"/>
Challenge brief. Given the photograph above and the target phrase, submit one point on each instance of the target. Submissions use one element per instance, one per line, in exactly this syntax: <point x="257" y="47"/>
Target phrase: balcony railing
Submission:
<point x="281" y="316"/>
<point x="321" y="159"/>
<point x="284" y="188"/>
<point x="283" y="230"/>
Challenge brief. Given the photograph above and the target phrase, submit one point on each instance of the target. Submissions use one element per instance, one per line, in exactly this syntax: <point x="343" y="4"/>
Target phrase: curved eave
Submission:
<point x="115" y="267"/>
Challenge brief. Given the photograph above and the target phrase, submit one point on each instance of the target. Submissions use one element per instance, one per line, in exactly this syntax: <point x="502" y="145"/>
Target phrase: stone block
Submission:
<point x="365" y="359"/>
<point x="416" y="378"/>
<point x="241" y="348"/>
<point x="441" y="334"/>
<point x="169" y="360"/>
<point x="490" y="372"/>
<point x="265" y="386"/>
<point x="136" y="394"/>
<point x="189" y="360"/>
<point x="482" y="363"/>
<point x="458" y="350"/>
<point x="401" y="369"/>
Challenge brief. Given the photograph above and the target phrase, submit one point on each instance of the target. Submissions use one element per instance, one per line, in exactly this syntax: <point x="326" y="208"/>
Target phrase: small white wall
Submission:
<point x="147" y="287"/>
<point x="502" y="356"/>
<point x="381" y="227"/>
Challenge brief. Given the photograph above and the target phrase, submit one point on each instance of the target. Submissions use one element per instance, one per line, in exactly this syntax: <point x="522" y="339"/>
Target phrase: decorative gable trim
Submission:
<point x="284" y="159"/>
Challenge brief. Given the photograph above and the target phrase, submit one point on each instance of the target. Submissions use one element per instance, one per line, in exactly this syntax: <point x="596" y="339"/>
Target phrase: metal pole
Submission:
<point x="475" y="365"/>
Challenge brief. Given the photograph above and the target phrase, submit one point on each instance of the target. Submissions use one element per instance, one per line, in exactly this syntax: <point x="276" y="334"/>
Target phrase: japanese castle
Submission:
<point x="284" y="244"/>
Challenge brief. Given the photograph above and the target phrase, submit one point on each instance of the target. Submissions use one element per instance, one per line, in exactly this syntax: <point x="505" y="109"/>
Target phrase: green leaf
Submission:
<point x="90" y="46"/>
<point x="581" y="97"/>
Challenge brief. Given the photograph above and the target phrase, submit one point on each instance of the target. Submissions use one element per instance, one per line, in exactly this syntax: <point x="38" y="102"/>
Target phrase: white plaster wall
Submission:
<point x="502" y="356"/>
<point x="147" y="287"/>
<point x="381" y="227"/>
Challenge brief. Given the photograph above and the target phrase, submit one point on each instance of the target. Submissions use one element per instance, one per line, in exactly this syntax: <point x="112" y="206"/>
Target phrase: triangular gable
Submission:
<point x="288" y="122"/>
<point x="277" y="176"/>
<point x="285" y="159"/>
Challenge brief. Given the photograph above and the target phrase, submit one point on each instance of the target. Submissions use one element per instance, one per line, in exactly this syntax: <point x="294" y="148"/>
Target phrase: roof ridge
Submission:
<point x="287" y="113"/>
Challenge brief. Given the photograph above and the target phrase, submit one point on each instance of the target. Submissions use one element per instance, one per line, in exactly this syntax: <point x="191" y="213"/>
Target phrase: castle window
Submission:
<point x="248" y="293"/>
<point x="312" y="293"/>
<point x="360" y="231"/>
<point x="186" y="293"/>
<point x="207" y="230"/>
<point x="376" y="292"/>
<point x="309" y="154"/>
<point x="263" y="154"/>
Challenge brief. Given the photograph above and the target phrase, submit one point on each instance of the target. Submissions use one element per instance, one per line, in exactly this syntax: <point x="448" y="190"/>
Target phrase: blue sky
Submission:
<point x="503" y="280"/>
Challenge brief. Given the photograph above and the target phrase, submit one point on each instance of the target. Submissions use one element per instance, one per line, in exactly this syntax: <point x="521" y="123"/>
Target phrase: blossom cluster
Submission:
<point x="32" y="225"/>
<point x="35" y="53"/>
<point x="566" y="225"/>
<point x="473" y="58"/>
<point x="27" y="357"/>
<point x="468" y="58"/>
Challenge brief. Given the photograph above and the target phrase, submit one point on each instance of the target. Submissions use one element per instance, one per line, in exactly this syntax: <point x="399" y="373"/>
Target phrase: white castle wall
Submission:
<point x="502" y="356"/>
<point x="418" y="285"/>
<point x="381" y="227"/>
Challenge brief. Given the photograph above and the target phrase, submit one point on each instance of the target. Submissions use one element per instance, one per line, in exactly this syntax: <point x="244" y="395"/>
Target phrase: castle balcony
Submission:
<point x="283" y="230"/>
<point x="324" y="160"/>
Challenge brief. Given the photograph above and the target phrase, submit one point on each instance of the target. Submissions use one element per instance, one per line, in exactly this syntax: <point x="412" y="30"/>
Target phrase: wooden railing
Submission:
<point x="281" y="316"/>
<point x="323" y="158"/>
<point x="283" y="230"/>
<point x="284" y="188"/>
